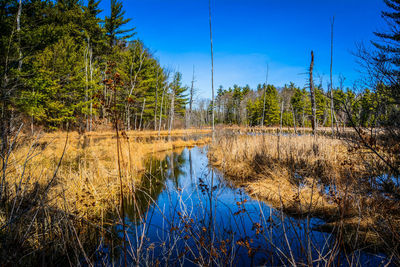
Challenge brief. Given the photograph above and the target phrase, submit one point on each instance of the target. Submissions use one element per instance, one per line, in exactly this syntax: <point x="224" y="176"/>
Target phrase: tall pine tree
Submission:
<point x="114" y="24"/>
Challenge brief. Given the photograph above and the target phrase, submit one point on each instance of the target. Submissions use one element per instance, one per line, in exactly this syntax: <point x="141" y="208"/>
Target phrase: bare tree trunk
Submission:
<point x="91" y="91"/>
<point x="19" y="34"/>
<point x="294" y="120"/>
<point x="128" y="117"/>
<point x="212" y="112"/>
<point x="191" y="101"/>
<point x="156" y="103"/>
<point x="135" y="120"/>
<point x="279" y="133"/>
<point x="336" y="122"/>
<point x="161" y="109"/>
<point x="166" y="111"/>
<point x="312" y="92"/>
<point x="32" y="125"/>
<point x="201" y="118"/>
<point x="18" y="21"/>
<point x="105" y="96"/>
<point x="342" y="120"/>
<point x="223" y="110"/>
<point x="331" y="84"/>
<point x="171" y="114"/>
<point x="212" y="73"/>
<point x="86" y="55"/>
<point x="265" y="88"/>
<point x="133" y="80"/>
<point x="141" y="114"/>
<point x="6" y="116"/>
<point x="280" y="124"/>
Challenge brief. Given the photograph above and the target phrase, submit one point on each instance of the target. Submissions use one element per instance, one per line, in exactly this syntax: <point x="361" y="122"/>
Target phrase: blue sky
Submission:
<point x="248" y="35"/>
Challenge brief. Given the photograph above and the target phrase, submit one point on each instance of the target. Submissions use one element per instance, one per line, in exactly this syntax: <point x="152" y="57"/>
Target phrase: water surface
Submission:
<point x="185" y="213"/>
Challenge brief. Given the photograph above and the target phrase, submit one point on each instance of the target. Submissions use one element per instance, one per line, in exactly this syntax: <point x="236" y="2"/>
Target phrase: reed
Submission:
<point x="308" y="176"/>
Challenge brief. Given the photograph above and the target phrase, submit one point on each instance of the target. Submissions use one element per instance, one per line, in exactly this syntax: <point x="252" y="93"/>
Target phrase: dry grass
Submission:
<point x="86" y="187"/>
<point x="274" y="129"/>
<point x="306" y="175"/>
<point x="87" y="182"/>
<point x="54" y="209"/>
<point x="132" y="134"/>
<point x="255" y="163"/>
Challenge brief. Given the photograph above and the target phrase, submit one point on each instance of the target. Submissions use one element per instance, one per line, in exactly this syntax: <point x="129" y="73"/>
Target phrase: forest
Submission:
<point x="108" y="158"/>
<point x="55" y="68"/>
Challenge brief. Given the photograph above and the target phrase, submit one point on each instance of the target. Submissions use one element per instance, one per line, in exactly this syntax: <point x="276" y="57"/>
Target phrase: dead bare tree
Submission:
<point x="212" y="89"/>
<point x="281" y="117"/>
<point x="294" y="119"/>
<point x="91" y="91"/>
<point x="188" y="125"/>
<point x="171" y="113"/>
<point x="212" y="102"/>
<point x="312" y="95"/>
<point x="161" y="109"/>
<point x="8" y="85"/>
<point x="175" y="87"/>
<point x="133" y="80"/>
<point x="265" y="88"/>
<point x="165" y="88"/>
<point x="212" y="73"/>
<point x="331" y="83"/>
<point x="155" y="103"/>
<point x="141" y="114"/>
<point x="86" y="55"/>
<point x="19" y="34"/>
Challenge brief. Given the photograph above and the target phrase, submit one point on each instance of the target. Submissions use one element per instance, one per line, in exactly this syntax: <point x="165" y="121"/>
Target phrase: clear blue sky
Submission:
<point x="248" y="34"/>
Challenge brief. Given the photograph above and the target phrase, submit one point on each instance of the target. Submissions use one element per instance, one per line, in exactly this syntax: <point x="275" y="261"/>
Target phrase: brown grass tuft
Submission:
<point x="305" y="175"/>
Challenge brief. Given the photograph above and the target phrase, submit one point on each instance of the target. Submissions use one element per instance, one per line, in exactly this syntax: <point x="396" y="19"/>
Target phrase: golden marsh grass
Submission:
<point x="87" y="181"/>
<point x="307" y="175"/>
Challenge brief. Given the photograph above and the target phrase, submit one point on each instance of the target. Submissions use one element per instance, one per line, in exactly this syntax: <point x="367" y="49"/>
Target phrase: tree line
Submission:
<point x="290" y="105"/>
<point x="55" y="57"/>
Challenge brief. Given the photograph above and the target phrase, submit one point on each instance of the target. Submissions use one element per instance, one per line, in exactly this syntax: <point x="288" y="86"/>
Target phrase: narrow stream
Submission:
<point x="185" y="213"/>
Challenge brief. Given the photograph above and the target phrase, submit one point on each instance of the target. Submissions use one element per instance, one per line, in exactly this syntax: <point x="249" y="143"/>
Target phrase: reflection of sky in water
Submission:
<point x="181" y="183"/>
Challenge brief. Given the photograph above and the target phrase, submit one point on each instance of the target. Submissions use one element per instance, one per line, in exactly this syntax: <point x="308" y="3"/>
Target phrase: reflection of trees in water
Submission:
<point x="219" y="219"/>
<point x="190" y="165"/>
<point x="152" y="184"/>
<point x="147" y="191"/>
<point x="175" y="163"/>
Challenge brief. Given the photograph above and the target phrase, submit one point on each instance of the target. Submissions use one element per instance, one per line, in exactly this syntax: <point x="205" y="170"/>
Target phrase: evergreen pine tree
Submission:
<point x="272" y="110"/>
<point x="114" y="24"/>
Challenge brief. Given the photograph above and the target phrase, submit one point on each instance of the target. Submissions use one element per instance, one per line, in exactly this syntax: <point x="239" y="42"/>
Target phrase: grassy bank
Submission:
<point x="60" y="189"/>
<point x="89" y="164"/>
<point x="319" y="176"/>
